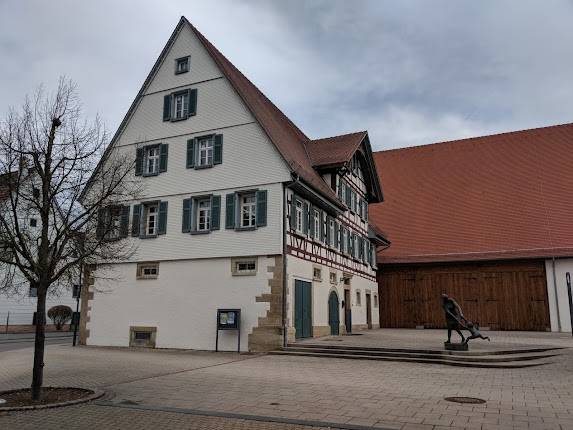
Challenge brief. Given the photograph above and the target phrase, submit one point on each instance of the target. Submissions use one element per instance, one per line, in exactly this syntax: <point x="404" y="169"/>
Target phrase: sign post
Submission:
<point x="568" y="279"/>
<point x="228" y="319"/>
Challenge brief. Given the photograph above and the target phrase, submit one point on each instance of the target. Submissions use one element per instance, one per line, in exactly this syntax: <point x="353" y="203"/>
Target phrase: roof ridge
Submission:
<point x="338" y="135"/>
<point x="473" y="138"/>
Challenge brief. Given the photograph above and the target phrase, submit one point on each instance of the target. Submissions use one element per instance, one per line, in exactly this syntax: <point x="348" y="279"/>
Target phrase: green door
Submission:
<point x="333" y="313"/>
<point x="303" y="308"/>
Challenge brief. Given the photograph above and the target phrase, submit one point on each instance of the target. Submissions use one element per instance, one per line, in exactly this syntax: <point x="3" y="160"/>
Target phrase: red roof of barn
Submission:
<point x="494" y="197"/>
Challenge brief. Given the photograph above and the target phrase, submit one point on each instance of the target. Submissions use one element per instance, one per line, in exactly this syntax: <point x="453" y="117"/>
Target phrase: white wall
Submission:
<point x="182" y="303"/>
<point x="22" y="307"/>
<point x="298" y="268"/>
<point x="561" y="300"/>
<point x="218" y="243"/>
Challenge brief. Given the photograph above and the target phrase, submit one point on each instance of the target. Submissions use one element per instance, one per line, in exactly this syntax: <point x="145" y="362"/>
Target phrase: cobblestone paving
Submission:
<point x="384" y="394"/>
<point x="86" y="417"/>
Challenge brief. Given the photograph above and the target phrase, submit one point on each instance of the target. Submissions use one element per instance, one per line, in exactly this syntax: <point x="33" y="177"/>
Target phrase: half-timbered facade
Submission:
<point x="240" y="210"/>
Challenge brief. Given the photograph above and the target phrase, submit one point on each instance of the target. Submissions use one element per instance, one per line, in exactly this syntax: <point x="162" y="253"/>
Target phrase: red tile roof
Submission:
<point x="494" y="197"/>
<point x="334" y="150"/>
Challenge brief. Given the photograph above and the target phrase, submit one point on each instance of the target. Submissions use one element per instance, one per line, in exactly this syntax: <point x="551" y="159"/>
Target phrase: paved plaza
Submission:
<point x="184" y="389"/>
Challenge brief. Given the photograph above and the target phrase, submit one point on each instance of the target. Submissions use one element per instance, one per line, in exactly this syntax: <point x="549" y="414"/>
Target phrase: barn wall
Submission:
<point x="561" y="299"/>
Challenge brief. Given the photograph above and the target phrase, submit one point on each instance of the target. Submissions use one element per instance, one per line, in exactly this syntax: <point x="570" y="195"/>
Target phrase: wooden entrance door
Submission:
<point x="368" y="311"/>
<point x="333" y="313"/>
<point x="347" y="311"/>
<point x="303" y="308"/>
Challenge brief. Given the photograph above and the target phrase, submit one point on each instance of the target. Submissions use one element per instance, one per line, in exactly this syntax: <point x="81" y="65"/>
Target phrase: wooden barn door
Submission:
<point x="499" y="295"/>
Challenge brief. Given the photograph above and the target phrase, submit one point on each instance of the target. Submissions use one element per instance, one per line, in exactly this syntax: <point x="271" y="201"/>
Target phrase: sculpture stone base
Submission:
<point x="455" y="346"/>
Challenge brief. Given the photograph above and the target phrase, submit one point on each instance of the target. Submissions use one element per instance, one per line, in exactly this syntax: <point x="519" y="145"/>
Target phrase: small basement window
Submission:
<point x="143" y="337"/>
<point x="243" y="267"/>
<point x="181" y="65"/>
<point x="317" y="274"/>
<point x="147" y="270"/>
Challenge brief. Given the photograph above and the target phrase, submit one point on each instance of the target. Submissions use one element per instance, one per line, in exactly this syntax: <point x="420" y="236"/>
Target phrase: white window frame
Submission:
<point x="180" y="105"/>
<point x="298" y="207"/>
<point x="151" y="213"/>
<point x="317" y="224"/>
<point x="248" y="208"/>
<point x="151" y="160"/>
<point x="250" y="270"/>
<point x="205" y="151"/>
<point x="183" y="61"/>
<point x="344" y="247"/>
<point x="205" y="212"/>
<point x="332" y="229"/>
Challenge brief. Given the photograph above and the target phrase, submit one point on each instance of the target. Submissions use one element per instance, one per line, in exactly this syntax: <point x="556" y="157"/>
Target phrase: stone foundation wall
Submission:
<point x="268" y="334"/>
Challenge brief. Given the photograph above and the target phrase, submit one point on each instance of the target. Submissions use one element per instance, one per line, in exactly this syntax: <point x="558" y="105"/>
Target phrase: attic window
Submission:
<point x="181" y="65"/>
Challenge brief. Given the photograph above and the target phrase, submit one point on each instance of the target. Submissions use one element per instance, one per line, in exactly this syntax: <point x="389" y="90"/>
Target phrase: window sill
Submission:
<point x="200" y="232"/>
<point x="153" y="236"/>
<point x="201" y="167"/>
<point x="251" y="273"/>
<point x="245" y="228"/>
<point x="181" y="72"/>
<point x="145" y="278"/>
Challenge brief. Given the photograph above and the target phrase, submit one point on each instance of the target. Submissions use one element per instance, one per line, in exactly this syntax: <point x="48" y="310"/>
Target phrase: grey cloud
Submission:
<point x="411" y="72"/>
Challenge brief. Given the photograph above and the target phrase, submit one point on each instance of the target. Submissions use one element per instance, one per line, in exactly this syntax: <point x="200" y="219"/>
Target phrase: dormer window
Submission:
<point x="181" y="65"/>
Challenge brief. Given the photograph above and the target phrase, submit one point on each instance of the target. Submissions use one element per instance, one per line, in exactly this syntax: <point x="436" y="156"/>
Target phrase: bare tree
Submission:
<point x="48" y="154"/>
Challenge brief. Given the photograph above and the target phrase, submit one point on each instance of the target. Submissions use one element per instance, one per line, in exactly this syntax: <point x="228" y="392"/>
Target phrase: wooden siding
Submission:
<point x="498" y="295"/>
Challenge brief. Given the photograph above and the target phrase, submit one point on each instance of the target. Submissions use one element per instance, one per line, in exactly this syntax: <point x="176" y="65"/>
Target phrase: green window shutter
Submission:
<point x="230" y="211"/>
<point x="360" y="249"/>
<point x="124" y="222"/>
<point x="311" y="222"/>
<point x="218" y="149"/>
<point x="340" y="188"/>
<point x="293" y="212"/>
<point x="138" y="161"/>
<point x="350" y="243"/>
<point x="192" y="102"/>
<point x="190" y="153"/>
<point x="261" y="217"/>
<point x="322" y="233"/>
<point x="167" y="107"/>
<point x="328" y="229"/>
<point x="136" y="220"/>
<point x="186" y="222"/>
<point x="100" y="229"/>
<point x="215" y="212"/>
<point x="162" y="224"/>
<point x="365" y="207"/>
<point x="305" y="215"/>
<point x="163" y="151"/>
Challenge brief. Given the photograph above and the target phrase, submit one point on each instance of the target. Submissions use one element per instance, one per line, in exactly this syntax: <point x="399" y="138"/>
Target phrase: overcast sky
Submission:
<point x="410" y="72"/>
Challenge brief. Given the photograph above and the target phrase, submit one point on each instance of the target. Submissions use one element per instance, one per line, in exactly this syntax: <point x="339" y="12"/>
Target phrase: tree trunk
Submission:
<point x="38" y="371"/>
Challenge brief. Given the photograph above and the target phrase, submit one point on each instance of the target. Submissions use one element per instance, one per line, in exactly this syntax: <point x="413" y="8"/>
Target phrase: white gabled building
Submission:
<point x="241" y="210"/>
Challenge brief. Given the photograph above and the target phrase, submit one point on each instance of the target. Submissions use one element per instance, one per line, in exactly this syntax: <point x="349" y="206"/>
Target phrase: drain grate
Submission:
<point x="471" y="400"/>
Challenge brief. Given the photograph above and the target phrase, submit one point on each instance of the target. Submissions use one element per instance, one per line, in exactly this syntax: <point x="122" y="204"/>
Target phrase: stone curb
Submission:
<point x="95" y="394"/>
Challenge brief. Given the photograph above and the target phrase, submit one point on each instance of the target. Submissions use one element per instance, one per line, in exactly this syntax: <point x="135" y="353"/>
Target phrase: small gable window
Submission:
<point x="204" y="151"/>
<point x="181" y="65"/>
<point x="180" y="105"/>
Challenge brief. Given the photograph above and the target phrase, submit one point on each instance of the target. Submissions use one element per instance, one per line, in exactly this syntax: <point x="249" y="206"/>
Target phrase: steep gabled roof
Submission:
<point x="485" y="198"/>
<point x="284" y="134"/>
